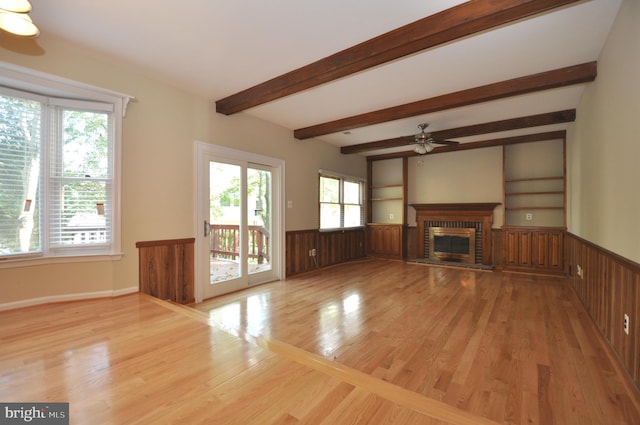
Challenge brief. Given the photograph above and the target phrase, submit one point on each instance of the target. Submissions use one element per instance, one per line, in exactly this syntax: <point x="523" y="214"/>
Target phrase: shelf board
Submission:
<point x="386" y="199"/>
<point x="535" y="193"/>
<point x="380" y="186"/>
<point x="525" y="179"/>
<point x="533" y="208"/>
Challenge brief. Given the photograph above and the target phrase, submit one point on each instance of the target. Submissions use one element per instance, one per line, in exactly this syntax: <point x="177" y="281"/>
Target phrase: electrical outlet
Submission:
<point x="391" y="216"/>
<point x="528" y="216"/>
<point x="626" y="324"/>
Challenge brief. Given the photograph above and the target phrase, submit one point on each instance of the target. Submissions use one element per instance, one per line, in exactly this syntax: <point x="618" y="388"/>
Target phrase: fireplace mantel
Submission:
<point x="479" y="212"/>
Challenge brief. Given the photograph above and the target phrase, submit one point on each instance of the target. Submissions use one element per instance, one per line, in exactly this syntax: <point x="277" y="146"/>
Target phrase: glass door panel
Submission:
<point x="259" y="214"/>
<point x="225" y="218"/>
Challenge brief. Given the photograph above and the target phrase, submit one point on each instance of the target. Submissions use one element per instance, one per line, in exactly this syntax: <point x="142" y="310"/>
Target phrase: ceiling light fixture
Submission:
<point x="14" y="18"/>
<point x="424" y="141"/>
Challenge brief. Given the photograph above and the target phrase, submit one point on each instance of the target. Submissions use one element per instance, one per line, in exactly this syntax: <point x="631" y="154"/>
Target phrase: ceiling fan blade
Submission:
<point x="445" y="142"/>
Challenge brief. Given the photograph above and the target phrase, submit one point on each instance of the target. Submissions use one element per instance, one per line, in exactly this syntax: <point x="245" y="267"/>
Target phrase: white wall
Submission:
<point x="604" y="147"/>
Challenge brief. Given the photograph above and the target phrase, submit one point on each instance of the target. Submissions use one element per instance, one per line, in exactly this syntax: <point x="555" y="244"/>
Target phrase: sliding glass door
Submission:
<point x="239" y="196"/>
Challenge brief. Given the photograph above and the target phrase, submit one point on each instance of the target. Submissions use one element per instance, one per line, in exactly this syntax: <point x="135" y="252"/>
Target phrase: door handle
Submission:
<point x="207" y="228"/>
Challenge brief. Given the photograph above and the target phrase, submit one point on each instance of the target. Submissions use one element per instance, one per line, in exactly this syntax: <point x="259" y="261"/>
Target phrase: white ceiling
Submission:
<point x="220" y="47"/>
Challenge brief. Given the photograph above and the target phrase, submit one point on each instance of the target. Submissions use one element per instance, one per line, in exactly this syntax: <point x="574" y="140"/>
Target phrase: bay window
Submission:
<point x="58" y="174"/>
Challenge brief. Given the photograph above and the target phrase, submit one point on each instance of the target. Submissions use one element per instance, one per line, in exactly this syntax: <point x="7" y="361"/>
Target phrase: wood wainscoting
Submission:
<point x="166" y="269"/>
<point x="331" y="248"/>
<point x="609" y="288"/>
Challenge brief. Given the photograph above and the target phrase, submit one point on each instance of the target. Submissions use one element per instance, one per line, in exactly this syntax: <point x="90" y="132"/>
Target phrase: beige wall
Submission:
<point x="158" y="165"/>
<point x="604" y="146"/>
<point x="464" y="176"/>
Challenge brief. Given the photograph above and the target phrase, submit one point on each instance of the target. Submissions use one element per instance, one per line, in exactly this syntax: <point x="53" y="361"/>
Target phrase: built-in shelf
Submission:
<point x="534" y="193"/>
<point x="526" y="179"/>
<point x="380" y="186"/>
<point x="534" y="184"/>
<point x="534" y="208"/>
<point x="386" y="199"/>
<point x="386" y="207"/>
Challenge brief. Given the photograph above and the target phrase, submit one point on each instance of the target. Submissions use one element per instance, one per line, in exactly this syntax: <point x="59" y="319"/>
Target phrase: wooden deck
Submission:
<point x="374" y="342"/>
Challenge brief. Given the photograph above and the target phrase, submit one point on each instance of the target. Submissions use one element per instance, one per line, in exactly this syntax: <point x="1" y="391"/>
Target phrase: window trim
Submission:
<point x="43" y="86"/>
<point x="342" y="178"/>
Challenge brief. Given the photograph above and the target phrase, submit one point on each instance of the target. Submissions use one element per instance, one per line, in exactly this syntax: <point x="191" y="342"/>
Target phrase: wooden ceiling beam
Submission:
<point x="549" y="118"/>
<point x="562" y="77"/>
<point x="457" y="22"/>
<point x="536" y="137"/>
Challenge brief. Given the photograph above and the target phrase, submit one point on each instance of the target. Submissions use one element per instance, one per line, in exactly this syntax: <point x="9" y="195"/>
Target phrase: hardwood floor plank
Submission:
<point x="388" y="391"/>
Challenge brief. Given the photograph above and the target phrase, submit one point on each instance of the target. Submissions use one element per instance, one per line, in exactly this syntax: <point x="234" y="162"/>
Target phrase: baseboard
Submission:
<point x="67" y="297"/>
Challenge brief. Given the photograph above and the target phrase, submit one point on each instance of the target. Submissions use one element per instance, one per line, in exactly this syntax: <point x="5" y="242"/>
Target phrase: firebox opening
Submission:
<point x="452" y="244"/>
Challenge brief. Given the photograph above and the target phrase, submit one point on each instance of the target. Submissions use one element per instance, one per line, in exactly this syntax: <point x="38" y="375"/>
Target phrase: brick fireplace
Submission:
<point x="458" y="219"/>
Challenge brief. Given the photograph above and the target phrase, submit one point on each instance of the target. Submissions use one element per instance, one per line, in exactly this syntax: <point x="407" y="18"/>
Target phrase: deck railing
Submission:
<point x="83" y="234"/>
<point x="225" y="242"/>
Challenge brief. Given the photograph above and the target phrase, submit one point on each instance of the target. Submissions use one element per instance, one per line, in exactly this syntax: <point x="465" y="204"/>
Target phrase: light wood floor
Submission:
<point x="375" y="342"/>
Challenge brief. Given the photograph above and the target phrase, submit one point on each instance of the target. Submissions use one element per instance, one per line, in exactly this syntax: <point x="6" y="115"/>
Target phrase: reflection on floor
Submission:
<point x="139" y="360"/>
<point x="373" y="342"/>
<point x="511" y="348"/>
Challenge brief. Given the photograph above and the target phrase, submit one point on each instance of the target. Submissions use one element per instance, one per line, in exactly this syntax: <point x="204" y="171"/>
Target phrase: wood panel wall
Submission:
<point x="497" y="248"/>
<point x="412" y="243"/>
<point x="331" y="248"/>
<point x="609" y="287"/>
<point x="166" y="269"/>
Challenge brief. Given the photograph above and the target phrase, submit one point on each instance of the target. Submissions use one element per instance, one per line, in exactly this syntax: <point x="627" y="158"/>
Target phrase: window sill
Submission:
<point x="10" y="263"/>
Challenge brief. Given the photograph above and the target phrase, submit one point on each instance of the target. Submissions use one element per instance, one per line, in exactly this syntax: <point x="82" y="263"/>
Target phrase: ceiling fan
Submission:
<point x="425" y="143"/>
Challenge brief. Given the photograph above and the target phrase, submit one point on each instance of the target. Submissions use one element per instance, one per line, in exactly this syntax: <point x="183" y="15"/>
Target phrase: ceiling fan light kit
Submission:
<point x="420" y="149"/>
<point x="424" y="142"/>
<point x="14" y="18"/>
<point x="423" y="148"/>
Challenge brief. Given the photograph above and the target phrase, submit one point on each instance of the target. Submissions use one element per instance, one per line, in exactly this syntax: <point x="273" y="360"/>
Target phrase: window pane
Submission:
<point x="86" y="144"/>
<point x="352" y="214"/>
<point x="19" y="175"/>
<point x="329" y="216"/>
<point x="82" y="217"/>
<point x="80" y="208"/>
<point x="329" y="190"/>
<point x="351" y="192"/>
